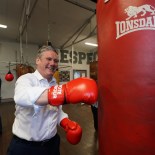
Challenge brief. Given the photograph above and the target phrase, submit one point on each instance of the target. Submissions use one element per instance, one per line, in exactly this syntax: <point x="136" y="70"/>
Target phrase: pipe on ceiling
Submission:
<point x="81" y="5"/>
<point x="78" y="31"/>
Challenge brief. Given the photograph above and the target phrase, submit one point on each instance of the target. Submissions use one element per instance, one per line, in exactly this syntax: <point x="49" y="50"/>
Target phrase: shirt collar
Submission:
<point x="40" y="77"/>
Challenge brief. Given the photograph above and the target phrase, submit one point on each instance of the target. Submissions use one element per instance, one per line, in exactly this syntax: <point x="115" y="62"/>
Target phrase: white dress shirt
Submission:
<point x="33" y="122"/>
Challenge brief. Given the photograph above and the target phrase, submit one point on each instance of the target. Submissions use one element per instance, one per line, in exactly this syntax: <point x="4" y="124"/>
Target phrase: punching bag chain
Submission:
<point x="48" y="30"/>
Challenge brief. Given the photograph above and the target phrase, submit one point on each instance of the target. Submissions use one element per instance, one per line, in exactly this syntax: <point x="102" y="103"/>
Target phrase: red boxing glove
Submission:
<point x="73" y="131"/>
<point x="79" y="90"/>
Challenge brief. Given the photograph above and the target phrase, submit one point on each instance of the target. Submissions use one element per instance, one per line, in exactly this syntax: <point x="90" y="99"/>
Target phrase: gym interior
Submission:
<point x="109" y="41"/>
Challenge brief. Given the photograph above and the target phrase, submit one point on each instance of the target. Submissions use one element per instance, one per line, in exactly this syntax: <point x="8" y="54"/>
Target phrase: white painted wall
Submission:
<point x="9" y="52"/>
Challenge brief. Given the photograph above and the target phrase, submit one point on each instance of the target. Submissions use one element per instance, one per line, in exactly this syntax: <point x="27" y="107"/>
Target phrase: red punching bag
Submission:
<point x="9" y="76"/>
<point x="126" y="78"/>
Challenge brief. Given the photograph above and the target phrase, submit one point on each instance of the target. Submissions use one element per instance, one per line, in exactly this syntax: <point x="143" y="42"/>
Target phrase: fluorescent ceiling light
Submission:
<point x="91" y="44"/>
<point x="3" y="26"/>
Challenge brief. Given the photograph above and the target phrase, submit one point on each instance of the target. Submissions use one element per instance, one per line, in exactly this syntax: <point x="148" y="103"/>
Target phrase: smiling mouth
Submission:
<point x="53" y="69"/>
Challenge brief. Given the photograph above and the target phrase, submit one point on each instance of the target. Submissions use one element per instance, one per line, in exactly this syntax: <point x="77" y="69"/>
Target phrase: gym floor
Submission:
<point x="80" y="113"/>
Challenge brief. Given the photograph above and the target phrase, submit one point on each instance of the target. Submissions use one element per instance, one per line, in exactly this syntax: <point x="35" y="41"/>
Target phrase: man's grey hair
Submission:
<point x="46" y="48"/>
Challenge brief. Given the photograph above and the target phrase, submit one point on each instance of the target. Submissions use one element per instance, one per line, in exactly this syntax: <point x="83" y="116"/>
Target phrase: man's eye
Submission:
<point x="55" y="60"/>
<point x="49" y="59"/>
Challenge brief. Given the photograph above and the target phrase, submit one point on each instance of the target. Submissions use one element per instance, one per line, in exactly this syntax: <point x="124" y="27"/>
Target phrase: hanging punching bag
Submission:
<point x="126" y="78"/>
<point x="9" y="76"/>
<point x="0" y="88"/>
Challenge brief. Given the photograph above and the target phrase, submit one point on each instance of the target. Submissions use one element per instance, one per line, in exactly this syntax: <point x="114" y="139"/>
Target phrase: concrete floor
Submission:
<point x="79" y="113"/>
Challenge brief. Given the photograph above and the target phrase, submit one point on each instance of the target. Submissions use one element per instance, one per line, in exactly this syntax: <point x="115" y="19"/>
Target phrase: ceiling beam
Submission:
<point x="81" y="5"/>
<point x="78" y="31"/>
<point x="23" y="26"/>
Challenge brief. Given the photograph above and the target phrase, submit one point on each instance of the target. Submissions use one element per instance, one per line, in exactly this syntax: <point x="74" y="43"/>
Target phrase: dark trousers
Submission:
<point x="22" y="147"/>
<point x="95" y="116"/>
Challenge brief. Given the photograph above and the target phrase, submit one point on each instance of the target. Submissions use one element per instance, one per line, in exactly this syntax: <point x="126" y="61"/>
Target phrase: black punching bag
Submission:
<point x="126" y="79"/>
<point x="0" y="89"/>
<point x="0" y="102"/>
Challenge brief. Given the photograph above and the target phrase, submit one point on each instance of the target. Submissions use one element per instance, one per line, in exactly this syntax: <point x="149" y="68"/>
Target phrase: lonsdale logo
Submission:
<point x="132" y="23"/>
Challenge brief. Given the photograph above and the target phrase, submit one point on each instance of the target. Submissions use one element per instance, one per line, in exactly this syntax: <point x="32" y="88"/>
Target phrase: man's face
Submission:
<point x="47" y="64"/>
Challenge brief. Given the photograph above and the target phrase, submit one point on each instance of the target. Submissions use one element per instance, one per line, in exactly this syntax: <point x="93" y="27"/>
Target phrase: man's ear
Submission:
<point x="37" y="60"/>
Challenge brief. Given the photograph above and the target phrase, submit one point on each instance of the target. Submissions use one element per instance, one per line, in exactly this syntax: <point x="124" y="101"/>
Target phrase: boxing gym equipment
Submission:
<point x="126" y="77"/>
<point x="0" y="102"/>
<point x="0" y="89"/>
<point x="9" y="76"/>
<point x="73" y="130"/>
<point x="76" y="91"/>
<point x="22" y="69"/>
